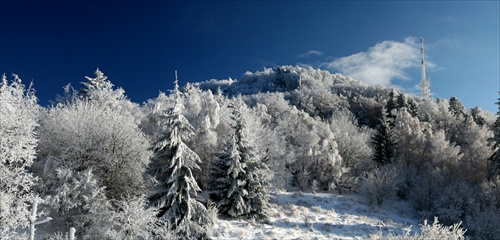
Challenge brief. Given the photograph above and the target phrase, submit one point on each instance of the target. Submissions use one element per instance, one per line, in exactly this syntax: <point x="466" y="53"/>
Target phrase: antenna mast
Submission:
<point x="425" y="84"/>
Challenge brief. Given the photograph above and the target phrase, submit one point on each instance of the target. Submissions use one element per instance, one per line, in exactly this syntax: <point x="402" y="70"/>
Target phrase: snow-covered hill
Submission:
<point x="322" y="216"/>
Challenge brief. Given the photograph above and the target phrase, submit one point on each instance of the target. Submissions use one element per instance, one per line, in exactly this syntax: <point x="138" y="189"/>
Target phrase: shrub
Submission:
<point x="434" y="231"/>
<point x="381" y="184"/>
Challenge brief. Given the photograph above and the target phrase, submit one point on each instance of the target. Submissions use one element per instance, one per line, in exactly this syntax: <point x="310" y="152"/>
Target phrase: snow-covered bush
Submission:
<point x="130" y="218"/>
<point x="71" y="196"/>
<point x="77" y="200"/>
<point x="18" y="120"/>
<point x="427" y="231"/>
<point x="456" y="200"/>
<point x="381" y="184"/>
<point x="483" y="223"/>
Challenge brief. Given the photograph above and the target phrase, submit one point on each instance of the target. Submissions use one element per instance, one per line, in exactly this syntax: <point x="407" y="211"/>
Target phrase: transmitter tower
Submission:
<point x="425" y="91"/>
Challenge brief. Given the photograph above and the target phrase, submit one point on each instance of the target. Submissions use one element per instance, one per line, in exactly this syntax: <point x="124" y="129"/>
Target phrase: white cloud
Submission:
<point x="310" y="53"/>
<point x="381" y="64"/>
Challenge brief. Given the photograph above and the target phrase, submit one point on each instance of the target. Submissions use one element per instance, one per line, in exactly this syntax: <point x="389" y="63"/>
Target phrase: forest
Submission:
<point x="99" y="166"/>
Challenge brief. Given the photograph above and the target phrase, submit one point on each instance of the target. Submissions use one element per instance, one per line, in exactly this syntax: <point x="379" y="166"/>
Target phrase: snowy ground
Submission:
<point x="321" y="216"/>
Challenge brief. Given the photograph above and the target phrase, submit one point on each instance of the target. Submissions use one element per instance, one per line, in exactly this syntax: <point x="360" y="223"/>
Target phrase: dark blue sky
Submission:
<point x="139" y="44"/>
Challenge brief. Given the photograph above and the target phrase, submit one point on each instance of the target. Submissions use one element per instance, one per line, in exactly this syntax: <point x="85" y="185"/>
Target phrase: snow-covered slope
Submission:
<point x="321" y="216"/>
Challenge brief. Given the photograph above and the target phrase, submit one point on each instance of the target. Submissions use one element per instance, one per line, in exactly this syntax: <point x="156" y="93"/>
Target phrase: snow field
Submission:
<point x="321" y="216"/>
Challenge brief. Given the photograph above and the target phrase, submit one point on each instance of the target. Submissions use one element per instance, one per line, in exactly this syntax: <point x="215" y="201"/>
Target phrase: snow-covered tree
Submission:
<point x="267" y="115"/>
<point x="495" y="145"/>
<point x="318" y="102"/>
<point x="403" y="101"/>
<point x="456" y="107"/>
<point x="476" y="114"/>
<point x="94" y="85"/>
<point x="202" y="111"/>
<point x="228" y="183"/>
<point x="173" y="162"/>
<point x="438" y="115"/>
<point x="240" y="189"/>
<point x="270" y="146"/>
<point x="475" y="150"/>
<point x="331" y="163"/>
<point x="18" y="119"/>
<point x="392" y="102"/>
<point x="409" y="134"/>
<point x="353" y="142"/>
<point x="82" y="134"/>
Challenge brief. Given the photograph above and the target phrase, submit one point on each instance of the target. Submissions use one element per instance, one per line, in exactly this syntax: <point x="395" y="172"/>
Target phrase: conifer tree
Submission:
<point x="456" y="107"/>
<point x="402" y="101"/>
<point x="238" y="175"/>
<point x="176" y="190"/>
<point x="476" y="115"/>
<point x="227" y="171"/>
<point x="392" y="103"/>
<point x="412" y="107"/>
<point x="99" y="83"/>
<point x="383" y="143"/>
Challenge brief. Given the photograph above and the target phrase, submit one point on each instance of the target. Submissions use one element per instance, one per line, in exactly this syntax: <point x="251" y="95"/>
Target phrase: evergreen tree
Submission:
<point x="412" y="107"/>
<point x="99" y="83"/>
<point x="384" y="143"/>
<point x="227" y="171"/>
<point x="360" y="114"/>
<point x="176" y="191"/>
<point x="402" y="101"/>
<point x="476" y="115"/>
<point x="240" y="189"/>
<point x="456" y="107"/>
<point x="392" y="103"/>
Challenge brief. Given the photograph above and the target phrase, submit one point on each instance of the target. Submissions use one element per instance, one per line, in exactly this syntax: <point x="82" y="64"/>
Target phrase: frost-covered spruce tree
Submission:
<point x="238" y="176"/>
<point x="392" y="103"/>
<point x="227" y="169"/>
<point x="383" y="143"/>
<point x="92" y="85"/>
<point x="176" y="189"/>
<point x="476" y="114"/>
<point x="18" y="119"/>
<point x="456" y="107"/>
